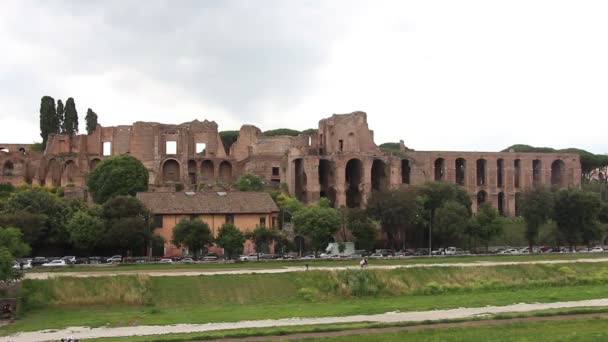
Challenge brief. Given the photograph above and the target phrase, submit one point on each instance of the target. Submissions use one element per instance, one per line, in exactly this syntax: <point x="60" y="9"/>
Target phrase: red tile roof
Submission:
<point x="233" y="202"/>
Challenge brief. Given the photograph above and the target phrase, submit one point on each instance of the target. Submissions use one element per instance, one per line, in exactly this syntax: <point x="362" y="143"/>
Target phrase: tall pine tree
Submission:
<point x="71" y="117"/>
<point x="91" y="119"/>
<point x="48" y="116"/>
<point x="60" y="117"/>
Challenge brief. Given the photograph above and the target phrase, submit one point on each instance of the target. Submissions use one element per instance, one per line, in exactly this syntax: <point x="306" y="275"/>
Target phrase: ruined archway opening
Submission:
<point x="536" y="172"/>
<point x="500" y="172"/>
<point x="300" y="179"/>
<point x="518" y="199"/>
<point x="192" y="171"/>
<point x="516" y="173"/>
<point x="171" y="171"/>
<point x="207" y="171"/>
<point x="501" y="203"/>
<point x="354" y="177"/>
<point x="557" y="173"/>
<point x="481" y="172"/>
<point x="461" y="171"/>
<point x="93" y="164"/>
<point x="482" y="196"/>
<point x="53" y="173"/>
<point x="327" y="181"/>
<point x="379" y="175"/>
<point x="69" y="172"/>
<point x="225" y="172"/>
<point x="405" y="171"/>
<point x="439" y="169"/>
<point x="8" y="168"/>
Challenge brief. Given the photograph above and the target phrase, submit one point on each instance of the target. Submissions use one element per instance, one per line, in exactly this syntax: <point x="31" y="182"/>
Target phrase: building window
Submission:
<point x="171" y="147"/>
<point x="200" y="147"/>
<point x="341" y="143"/>
<point x="158" y="221"/>
<point x="107" y="148"/>
<point x="230" y="218"/>
<point x="262" y="221"/>
<point x="275" y="171"/>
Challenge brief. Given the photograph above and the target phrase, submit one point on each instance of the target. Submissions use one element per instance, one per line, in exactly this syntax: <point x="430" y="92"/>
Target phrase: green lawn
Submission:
<point x="584" y="329"/>
<point x="140" y="299"/>
<point x="273" y="264"/>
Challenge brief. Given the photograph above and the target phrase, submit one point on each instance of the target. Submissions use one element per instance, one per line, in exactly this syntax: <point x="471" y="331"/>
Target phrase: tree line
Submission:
<point x="60" y="119"/>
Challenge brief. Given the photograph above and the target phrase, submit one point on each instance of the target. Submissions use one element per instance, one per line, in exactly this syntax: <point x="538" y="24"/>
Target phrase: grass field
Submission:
<point x="586" y="329"/>
<point x="140" y="299"/>
<point x="253" y="265"/>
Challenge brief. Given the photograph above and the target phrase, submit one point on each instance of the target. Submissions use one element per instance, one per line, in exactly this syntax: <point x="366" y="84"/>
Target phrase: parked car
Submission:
<point x="421" y="251"/>
<point x="69" y="259"/>
<point x="166" y="261"/>
<point x="310" y="256"/>
<point x="377" y="256"/>
<point x="38" y="261"/>
<point x="187" y="261"/>
<point x="248" y="257"/>
<point x="509" y="251"/>
<point x="115" y="259"/>
<point x="55" y="263"/>
<point x="454" y="251"/>
<point x="597" y="249"/>
<point x="210" y="257"/>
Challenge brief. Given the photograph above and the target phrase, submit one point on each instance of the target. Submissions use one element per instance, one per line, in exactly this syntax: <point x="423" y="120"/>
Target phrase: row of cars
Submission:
<point x="542" y="249"/>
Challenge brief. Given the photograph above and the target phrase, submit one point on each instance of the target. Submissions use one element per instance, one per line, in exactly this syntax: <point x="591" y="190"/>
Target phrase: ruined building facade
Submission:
<point x="340" y="161"/>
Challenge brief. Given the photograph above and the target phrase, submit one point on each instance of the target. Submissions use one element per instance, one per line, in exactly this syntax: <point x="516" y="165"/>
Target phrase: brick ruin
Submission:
<point x="340" y="161"/>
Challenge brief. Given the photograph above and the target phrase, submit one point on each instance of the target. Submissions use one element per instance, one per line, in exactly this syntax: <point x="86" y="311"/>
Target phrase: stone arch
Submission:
<point x="481" y="171"/>
<point x="354" y="178"/>
<point x="300" y="179"/>
<point x="207" y="171"/>
<point x="557" y="173"/>
<point x="53" y="173"/>
<point x="536" y="172"/>
<point x="482" y="197"/>
<point x="192" y="171"/>
<point x="461" y="171"/>
<point x="379" y="175"/>
<point x="93" y="163"/>
<point x="501" y="203"/>
<point x="405" y="171"/>
<point x="225" y="171"/>
<point x="8" y="168"/>
<point x="500" y="166"/>
<point x="517" y="173"/>
<point x="327" y="180"/>
<point x="351" y="142"/>
<point x="171" y="171"/>
<point x="439" y="169"/>
<point x="70" y="171"/>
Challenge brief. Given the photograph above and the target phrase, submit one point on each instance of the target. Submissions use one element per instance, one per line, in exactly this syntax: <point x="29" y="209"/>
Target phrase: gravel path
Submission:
<point x="389" y="317"/>
<point x="178" y="272"/>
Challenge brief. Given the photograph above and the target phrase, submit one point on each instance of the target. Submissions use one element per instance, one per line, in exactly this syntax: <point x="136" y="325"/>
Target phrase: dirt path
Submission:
<point x="350" y="332"/>
<point x="178" y="272"/>
<point x="389" y="317"/>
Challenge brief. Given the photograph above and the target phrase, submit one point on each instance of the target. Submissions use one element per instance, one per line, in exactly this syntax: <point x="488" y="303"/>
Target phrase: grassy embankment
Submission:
<point x="275" y="264"/>
<point x="140" y="299"/>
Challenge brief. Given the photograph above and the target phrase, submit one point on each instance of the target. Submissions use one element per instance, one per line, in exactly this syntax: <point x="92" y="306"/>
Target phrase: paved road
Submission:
<point x="182" y="272"/>
<point x="389" y="317"/>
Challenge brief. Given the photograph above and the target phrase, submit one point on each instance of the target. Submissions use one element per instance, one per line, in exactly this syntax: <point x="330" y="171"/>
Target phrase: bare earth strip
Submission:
<point x="389" y="317"/>
<point x="178" y="272"/>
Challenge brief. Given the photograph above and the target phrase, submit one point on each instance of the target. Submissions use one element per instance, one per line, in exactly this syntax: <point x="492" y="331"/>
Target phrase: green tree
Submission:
<point x="576" y="215"/>
<point x="282" y="131"/>
<point x="451" y="220"/>
<point x="536" y="209"/>
<point x="249" y="182"/>
<point x="396" y="210"/>
<point x="70" y="121"/>
<point x="231" y="239"/>
<point x="319" y="224"/>
<point x="11" y="239"/>
<point x="86" y="231"/>
<point x="60" y="116"/>
<point x="363" y="229"/>
<point x="194" y="234"/>
<point x="488" y="224"/>
<point x="261" y="236"/>
<point x="603" y="214"/>
<point x="117" y="176"/>
<point x="228" y="138"/>
<point x="127" y="224"/>
<point x="48" y="117"/>
<point x="91" y="119"/>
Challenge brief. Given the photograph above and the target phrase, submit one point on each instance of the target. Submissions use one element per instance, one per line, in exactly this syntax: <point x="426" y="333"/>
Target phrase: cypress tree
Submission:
<point x="48" y="113"/>
<point x="71" y="117"/>
<point x="91" y="120"/>
<point x="60" y="117"/>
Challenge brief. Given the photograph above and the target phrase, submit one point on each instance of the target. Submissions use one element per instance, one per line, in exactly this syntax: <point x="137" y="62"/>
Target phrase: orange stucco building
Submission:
<point x="245" y="210"/>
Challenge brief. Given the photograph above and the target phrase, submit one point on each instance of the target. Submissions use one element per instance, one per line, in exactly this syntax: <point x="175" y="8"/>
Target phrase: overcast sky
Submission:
<point x="441" y="75"/>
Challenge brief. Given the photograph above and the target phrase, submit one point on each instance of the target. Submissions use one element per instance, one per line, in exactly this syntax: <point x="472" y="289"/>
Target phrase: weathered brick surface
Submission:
<point x="311" y="166"/>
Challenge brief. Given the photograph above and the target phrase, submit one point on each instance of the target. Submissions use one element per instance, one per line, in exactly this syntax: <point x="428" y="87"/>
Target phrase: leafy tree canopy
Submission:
<point x="12" y="240"/>
<point x="228" y="138"/>
<point x="433" y="195"/>
<point x="317" y="223"/>
<point x="231" y="239"/>
<point x="86" y="231"/>
<point x="451" y="220"/>
<point x="70" y="118"/>
<point x="536" y="208"/>
<point x="117" y="176"/>
<point x="48" y="118"/>
<point x="395" y="209"/>
<point x="249" y="182"/>
<point x="362" y="227"/>
<point x="282" y="131"/>
<point x="194" y="234"/>
<point x="488" y="224"/>
<point x="91" y="119"/>
<point x="576" y="215"/>
<point x="261" y="236"/>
